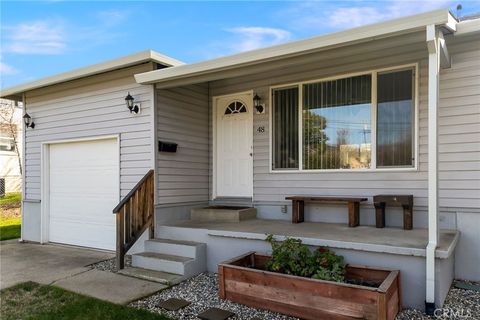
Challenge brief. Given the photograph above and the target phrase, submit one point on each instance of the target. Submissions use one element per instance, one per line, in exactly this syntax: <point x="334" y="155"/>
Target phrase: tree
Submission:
<point x="317" y="154"/>
<point x="9" y="126"/>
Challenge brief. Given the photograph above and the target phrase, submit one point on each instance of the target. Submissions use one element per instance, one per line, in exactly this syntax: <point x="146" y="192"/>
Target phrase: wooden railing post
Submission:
<point x="134" y="214"/>
<point x="120" y="240"/>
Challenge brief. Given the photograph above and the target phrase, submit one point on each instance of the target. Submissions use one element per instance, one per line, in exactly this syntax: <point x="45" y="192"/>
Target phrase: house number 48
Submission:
<point x="261" y="129"/>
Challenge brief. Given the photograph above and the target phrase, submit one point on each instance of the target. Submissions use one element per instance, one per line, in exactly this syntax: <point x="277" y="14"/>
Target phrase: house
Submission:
<point x="389" y="108"/>
<point x="10" y="146"/>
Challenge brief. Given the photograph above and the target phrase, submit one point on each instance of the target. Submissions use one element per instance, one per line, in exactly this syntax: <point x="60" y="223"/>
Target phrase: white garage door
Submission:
<point x="84" y="188"/>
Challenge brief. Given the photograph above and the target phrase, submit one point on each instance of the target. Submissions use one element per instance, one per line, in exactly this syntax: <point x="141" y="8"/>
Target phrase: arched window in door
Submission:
<point x="235" y="107"/>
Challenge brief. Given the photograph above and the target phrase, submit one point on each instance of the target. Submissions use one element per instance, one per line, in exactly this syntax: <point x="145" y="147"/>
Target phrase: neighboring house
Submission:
<point x="10" y="146"/>
<point x="390" y="108"/>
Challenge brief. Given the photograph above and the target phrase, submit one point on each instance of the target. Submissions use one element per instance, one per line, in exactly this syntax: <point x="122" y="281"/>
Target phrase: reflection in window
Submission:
<point x="395" y="118"/>
<point x="337" y="124"/>
<point x="236" y="107"/>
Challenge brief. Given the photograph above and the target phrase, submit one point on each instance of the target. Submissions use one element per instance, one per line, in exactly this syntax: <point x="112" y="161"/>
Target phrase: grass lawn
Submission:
<point x="10" y="228"/>
<point x="31" y="300"/>
<point x="11" y="198"/>
<point x="10" y="219"/>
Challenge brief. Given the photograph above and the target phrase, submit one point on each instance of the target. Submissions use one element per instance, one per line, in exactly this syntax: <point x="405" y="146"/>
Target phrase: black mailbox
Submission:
<point x="164" y="146"/>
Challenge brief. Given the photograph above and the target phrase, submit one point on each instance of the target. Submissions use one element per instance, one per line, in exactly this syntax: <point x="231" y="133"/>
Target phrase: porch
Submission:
<point x="393" y="248"/>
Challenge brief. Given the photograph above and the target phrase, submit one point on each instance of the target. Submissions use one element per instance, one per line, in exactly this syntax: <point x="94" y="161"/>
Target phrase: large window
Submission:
<point x="328" y="125"/>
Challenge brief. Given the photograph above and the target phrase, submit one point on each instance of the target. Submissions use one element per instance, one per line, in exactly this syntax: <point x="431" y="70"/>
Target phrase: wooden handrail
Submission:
<point x="130" y="194"/>
<point x="134" y="215"/>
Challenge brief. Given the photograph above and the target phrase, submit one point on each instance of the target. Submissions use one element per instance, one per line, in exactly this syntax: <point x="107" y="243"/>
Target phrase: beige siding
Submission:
<point x="459" y="147"/>
<point x="182" y="117"/>
<point x="90" y="107"/>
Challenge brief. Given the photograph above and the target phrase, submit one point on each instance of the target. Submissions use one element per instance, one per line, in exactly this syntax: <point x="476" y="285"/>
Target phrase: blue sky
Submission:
<point x="43" y="38"/>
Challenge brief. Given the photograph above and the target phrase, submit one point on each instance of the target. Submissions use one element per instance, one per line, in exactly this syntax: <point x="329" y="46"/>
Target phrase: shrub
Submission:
<point x="294" y="258"/>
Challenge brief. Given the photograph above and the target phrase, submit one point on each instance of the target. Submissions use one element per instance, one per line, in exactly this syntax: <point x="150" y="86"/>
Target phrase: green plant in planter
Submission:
<point x="293" y="257"/>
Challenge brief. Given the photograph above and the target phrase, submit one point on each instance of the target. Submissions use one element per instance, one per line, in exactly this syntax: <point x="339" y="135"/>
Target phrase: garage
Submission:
<point x="83" y="188"/>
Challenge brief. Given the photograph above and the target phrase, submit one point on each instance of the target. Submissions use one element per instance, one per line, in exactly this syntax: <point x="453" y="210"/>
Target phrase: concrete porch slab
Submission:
<point x="363" y="238"/>
<point x="109" y="286"/>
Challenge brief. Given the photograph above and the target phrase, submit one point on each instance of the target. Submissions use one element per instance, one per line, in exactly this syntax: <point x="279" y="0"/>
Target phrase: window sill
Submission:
<point x="347" y="170"/>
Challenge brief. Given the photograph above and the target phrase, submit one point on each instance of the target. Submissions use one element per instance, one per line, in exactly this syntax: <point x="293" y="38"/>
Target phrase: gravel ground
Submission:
<point x="202" y="292"/>
<point x="109" y="265"/>
<point x="459" y="304"/>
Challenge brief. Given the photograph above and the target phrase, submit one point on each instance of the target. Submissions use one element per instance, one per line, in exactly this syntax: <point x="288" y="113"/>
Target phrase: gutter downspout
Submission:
<point x="433" y="84"/>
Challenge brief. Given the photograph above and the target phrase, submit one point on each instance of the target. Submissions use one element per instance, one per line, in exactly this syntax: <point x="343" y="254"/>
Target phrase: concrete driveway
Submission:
<point x="67" y="267"/>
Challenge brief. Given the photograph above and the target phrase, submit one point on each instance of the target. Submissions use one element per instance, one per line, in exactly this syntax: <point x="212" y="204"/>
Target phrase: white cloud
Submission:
<point x="321" y="16"/>
<point x="37" y="37"/>
<point x="7" y="70"/>
<point x="250" y="38"/>
<point x="354" y="17"/>
<point x="112" y="17"/>
<point x="362" y="15"/>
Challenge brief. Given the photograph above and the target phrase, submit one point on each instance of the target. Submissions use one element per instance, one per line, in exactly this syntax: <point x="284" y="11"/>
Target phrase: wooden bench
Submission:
<point x="298" y="205"/>
<point x="405" y="201"/>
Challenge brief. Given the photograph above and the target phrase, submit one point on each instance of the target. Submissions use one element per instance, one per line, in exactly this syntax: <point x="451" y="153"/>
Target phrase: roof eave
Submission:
<point x="16" y="92"/>
<point x="441" y="17"/>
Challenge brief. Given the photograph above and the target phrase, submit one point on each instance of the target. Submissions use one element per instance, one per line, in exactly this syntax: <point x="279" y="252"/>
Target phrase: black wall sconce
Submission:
<point x="134" y="108"/>
<point x="260" y="108"/>
<point x="28" y="121"/>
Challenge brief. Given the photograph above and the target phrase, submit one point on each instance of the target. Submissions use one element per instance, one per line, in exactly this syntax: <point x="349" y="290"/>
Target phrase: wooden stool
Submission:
<point x="405" y="201"/>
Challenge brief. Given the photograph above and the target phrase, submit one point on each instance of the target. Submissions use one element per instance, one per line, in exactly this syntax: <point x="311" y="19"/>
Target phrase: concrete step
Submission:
<point x="223" y="213"/>
<point x="161" y="262"/>
<point x="166" y="278"/>
<point x="188" y="249"/>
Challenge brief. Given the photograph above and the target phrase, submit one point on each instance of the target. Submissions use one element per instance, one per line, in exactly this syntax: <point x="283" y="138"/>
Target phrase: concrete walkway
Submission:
<point x="67" y="267"/>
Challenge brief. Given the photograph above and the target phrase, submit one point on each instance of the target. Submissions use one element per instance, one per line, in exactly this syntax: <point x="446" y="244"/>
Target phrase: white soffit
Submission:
<point x="126" y="61"/>
<point x="441" y="17"/>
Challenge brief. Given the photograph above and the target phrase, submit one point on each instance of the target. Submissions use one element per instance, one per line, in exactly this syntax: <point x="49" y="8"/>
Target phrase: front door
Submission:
<point x="234" y="146"/>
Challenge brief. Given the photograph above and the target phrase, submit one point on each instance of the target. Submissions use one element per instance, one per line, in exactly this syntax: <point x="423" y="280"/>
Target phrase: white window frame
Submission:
<point x="8" y="152"/>
<point x="373" y="163"/>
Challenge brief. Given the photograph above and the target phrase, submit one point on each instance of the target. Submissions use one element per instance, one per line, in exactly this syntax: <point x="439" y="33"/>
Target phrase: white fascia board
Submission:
<point x="126" y="61"/>
<point x="467" y="27"/>
<point x="164" y="60"/>
<point x="361" y="34"/>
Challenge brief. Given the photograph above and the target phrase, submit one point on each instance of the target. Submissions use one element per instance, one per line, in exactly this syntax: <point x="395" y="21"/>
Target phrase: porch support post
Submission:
<point x="433" y="45"/>
<point x="23" y="173"/>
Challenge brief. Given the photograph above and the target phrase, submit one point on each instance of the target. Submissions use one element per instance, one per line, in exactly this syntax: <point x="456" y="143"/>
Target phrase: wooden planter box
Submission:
<point x="244" y="280"/>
